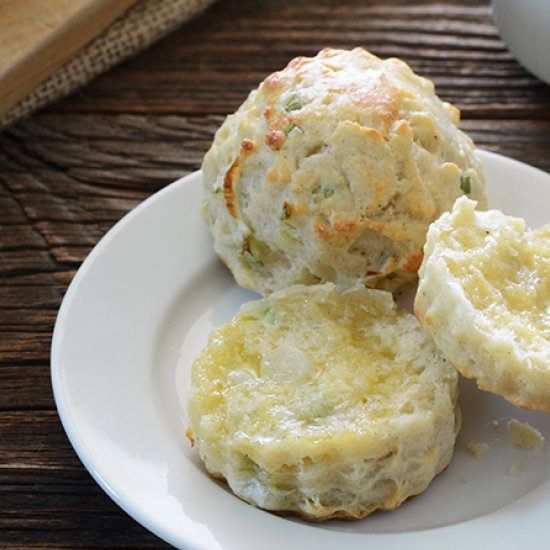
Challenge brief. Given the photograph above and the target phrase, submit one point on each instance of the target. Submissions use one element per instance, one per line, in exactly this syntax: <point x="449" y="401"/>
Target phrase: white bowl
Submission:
<point x="524" y="25"/>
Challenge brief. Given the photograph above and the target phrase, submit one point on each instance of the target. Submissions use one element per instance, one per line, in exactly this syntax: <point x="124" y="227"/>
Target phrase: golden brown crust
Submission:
<point x="275" y="136"/>
<point x="246" y="147"/>
<point x="273" y="81"/>
<point x="287" y="209"/>
<point x="344" y="225"/>
<point x="321" y="230"/>
<point x="412" y="262"/>
<point x="274" y="139"/>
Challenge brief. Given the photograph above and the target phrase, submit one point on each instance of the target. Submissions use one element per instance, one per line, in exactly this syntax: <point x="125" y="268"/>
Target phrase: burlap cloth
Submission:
<point x="142" y="24"/>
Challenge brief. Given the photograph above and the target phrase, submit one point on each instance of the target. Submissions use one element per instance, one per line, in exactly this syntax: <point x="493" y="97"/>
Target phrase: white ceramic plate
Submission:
<point x="153" y="287"/>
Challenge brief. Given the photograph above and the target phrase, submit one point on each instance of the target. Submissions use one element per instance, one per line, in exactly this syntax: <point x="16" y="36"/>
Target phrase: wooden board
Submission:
<point x="37" y="37"/>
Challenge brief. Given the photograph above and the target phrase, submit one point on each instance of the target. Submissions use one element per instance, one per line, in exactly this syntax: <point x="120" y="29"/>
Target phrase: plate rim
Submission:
<point x="85" y="455"/>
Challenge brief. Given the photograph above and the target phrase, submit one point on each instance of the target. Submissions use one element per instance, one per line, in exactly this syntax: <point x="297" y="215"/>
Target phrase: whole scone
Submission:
<point x="332" y="170"/>
<point x="484" y="297"/>
<point x="323" y="404"/>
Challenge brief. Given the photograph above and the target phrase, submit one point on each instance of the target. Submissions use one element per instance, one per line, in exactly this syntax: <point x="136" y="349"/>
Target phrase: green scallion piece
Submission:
<point x="322" y="192"/>
<point x="289" y="231"/>
<point x="251" y="259"/>
<point x="294" y="104"/>
<point x="249" y="464"/>
<point x="466" y="184"/>
<point x="291" y="128"/>
<point x="269" y="316"/>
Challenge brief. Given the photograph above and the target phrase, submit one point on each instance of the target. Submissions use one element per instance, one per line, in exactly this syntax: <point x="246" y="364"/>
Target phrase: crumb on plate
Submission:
<point x="477" y="449"/>
<point x="524" y="435"/>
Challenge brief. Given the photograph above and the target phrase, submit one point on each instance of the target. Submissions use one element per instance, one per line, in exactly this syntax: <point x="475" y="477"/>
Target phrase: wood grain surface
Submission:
<point x="70" y="172"/>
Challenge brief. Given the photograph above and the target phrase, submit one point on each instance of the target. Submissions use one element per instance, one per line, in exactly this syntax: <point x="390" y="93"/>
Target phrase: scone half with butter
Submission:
<point x="484" y="297"/>
<point x="323" y="404"/>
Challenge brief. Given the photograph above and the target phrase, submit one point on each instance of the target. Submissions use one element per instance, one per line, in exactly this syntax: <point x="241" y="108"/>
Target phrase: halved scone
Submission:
<point x="484" y="297"/>
<point x="323" y="404"/>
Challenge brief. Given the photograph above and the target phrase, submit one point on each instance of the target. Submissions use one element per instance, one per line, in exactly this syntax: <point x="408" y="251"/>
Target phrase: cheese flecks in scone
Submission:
<point x="484" y="296"/>
<point x="323" y="404"/>
<point x="332" y="170"/>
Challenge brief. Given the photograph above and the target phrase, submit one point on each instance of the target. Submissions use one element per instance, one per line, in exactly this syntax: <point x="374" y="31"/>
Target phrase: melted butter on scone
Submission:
<point x="484" y="295"/>
<point x="323" y="404"/>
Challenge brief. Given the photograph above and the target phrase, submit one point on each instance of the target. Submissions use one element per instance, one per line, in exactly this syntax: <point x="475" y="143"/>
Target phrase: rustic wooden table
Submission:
<point x="70" y="172"/>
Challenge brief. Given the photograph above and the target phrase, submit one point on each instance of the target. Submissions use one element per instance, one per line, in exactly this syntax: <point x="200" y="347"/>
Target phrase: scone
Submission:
<point x="323" y="405"/>
<point x="332" y="170"/>
<point x="484" y="296"/>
